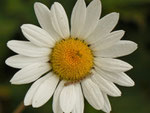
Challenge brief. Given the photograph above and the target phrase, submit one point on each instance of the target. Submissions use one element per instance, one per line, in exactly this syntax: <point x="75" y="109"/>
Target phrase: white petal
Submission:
<point x="79" y="105"/>
<point x="105" y="85"/>
<point x="104" y="27"/>
<point x="108" y="41"/>
<point x="68" y="98"/>
<point x="93" y="13"/>
<point x="113" y="65"/>
<point x="93" y="94"/>
<point x="107" y="106"/>
<point x="30" y="73"/>
<point x="29" y="96"/>
<point x="78" y="18"/>
<point x="60" y="20"/>
<point x="121" y="48"/>
<point x="56" y="104"/>
<point x="37" y="35"/>
<point x="45" y="91"/>
<point x="28" y="49"/>
<point x="44" y="18"/>
<point x="119" y="78"/>
<point x="19" y="61"/>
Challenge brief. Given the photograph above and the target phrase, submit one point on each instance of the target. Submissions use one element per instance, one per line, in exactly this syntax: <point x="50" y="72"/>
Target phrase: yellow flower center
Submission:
<point x="71" y="59"/>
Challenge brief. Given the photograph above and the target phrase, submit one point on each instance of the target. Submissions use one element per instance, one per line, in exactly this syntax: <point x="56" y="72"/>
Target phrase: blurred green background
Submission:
<point x="134" y="19"/>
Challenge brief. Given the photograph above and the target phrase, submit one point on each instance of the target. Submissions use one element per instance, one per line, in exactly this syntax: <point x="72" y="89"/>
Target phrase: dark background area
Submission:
<point x="134" y="19"/>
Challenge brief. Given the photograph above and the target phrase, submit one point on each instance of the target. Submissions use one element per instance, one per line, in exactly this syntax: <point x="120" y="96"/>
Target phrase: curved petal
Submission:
<point x="121" y="48"/>
<point x="92" y="93"/>
<point x="30" y="73"/>
<point x="107" y="106"/>
<point x="31" y="92"/>
<point x="37" y="35"/>
<point x="28" y="49"/>
<point x="43" y="15"/>
<point x="105" y="85"/>
<point x="45" y="91"/>
<point x="119" y="78"/>
<point x="79" y="105"/>
<point x="104" y="27"/>
<point x="108" y="41"/>
<point x="93" y="13"/>
<point x="68" y="98"/>
<point x="56" y="98"/>
<point x="60" y="20"/>
<point x="19" y="61"/>
<point x="78" y="18"/>
<point x="112" y="65"/>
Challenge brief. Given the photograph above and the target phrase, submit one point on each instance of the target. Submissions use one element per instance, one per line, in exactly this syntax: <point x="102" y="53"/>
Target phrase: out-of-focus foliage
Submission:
<point x="134" y="19"/>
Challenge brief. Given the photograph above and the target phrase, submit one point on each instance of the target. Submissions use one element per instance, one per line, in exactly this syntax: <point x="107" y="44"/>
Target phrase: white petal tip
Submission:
<point x="15" y="82"/>
<point x="120" y="94"/>
<point x="131" y="83"/>
<point x="23" y="26"/>
<point x="130" y="67"/>
<point x="36" y="105"/>
<point x="117" y="94"/>
<point x="26" y="26"/>
<point x="37" y="3"/>
<point x="11" y="80"/>
<point x="122" y="31"/>
<point x="115" y="14"/>
<point x="9" y="44"/>
<point x="108" y="112"/>
<point x="56" y="3"/>
<point x="26" y="103"/>
<point x="7" y="61"/>
<point x="135" y="46"/>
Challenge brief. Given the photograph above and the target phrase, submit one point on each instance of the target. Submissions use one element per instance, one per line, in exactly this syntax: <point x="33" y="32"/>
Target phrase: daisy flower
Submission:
<point x="71" y="63"/>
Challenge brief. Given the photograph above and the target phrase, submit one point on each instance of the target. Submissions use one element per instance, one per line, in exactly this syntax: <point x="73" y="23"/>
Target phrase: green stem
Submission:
<point x="19" y="108"/>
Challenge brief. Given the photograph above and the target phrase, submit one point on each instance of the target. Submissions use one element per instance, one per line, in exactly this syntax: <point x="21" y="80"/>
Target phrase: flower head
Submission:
<point x="61" y="60"/>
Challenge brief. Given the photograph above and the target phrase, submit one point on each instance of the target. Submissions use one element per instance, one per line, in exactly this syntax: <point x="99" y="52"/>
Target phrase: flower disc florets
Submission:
<point x="71" y="59"/>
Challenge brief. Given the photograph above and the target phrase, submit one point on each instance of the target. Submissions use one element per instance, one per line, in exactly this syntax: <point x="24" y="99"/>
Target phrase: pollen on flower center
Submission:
<point x="71" y="59"/>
